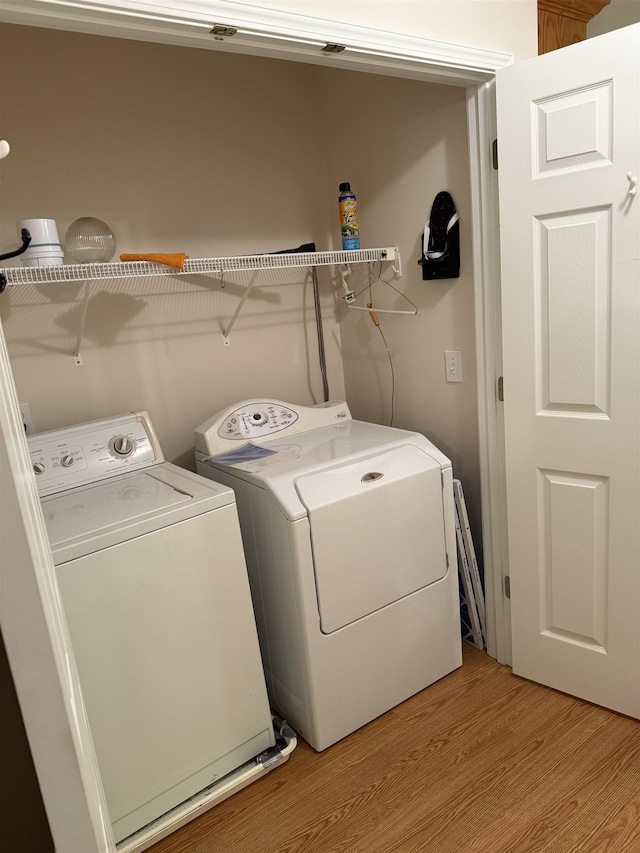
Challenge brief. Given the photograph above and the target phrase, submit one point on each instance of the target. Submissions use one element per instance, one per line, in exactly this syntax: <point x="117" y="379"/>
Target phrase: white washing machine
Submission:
<point x="154" y="586"/>
<point x="349" y="537"/>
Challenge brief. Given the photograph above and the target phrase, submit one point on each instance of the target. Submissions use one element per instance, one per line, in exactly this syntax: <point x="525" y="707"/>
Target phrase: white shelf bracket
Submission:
<point x="77" y="358"/>
<point x="245" y="296"/>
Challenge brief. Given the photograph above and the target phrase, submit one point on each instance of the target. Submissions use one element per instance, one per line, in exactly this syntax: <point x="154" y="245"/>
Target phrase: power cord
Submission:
<point x="376" y="322"/>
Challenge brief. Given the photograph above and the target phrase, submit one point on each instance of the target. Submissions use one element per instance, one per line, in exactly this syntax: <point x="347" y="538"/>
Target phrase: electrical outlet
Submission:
<point x="26" y="418"/>
<point x="453" y="365"/>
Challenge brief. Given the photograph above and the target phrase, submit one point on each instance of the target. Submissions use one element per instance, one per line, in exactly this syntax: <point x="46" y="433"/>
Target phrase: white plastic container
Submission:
<point x="45" y="248"/>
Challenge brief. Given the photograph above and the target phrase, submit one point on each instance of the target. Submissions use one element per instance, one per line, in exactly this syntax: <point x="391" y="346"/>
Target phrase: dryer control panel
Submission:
<point x="258" y="419"/>
<point x="86" y="453"/>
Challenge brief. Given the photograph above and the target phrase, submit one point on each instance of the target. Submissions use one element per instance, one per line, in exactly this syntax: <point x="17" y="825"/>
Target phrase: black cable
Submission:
<point x="321" y="349"/>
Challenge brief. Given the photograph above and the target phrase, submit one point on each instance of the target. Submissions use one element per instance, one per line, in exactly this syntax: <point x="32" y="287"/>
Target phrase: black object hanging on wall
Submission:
<point x="25" y="235"/>
<point x="441" y="240"/>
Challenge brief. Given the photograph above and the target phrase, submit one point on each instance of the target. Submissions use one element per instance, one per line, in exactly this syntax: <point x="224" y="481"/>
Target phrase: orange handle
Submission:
<point x="175" y="260"/>
<point x="373" y="314"/>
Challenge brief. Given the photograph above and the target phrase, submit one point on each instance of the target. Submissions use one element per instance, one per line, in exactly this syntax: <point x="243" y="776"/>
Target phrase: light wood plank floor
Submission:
<point x="481" y="761"/>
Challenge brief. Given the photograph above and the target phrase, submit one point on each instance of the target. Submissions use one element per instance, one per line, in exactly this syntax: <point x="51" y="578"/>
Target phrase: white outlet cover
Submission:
<point x="453" y="365"/>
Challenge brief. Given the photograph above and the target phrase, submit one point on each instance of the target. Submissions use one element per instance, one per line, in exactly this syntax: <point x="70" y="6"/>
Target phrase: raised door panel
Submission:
<point x="569" y="130"/>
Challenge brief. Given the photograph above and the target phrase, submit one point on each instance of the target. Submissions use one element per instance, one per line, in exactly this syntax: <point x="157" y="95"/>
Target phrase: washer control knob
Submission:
<point x="38" y="467"/>
<point x="67" y="460"/>
<point x="122" y="446"/>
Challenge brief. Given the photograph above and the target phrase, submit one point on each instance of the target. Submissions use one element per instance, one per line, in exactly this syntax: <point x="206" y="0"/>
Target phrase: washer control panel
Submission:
<point x="259" y="419"/>
<point x="85" y="453"/>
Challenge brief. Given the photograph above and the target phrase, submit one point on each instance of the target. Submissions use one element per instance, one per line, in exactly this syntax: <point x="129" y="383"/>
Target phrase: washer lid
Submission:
<point x="91" y="518"/>
<point x="86" y="511"/>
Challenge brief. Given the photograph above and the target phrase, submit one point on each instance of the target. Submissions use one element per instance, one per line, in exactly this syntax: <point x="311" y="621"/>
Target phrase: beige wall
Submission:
<point x="183" y="150"/>
<point x="510" y="25"/>
<point x="399" y="142"/>
<point x="619" y="13"/>
<point x="211" y="154"/>
<point x="179" y="151"/>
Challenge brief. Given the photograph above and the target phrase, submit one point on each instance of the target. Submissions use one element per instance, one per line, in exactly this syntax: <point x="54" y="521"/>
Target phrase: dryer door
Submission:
<point x="377" y="532"/>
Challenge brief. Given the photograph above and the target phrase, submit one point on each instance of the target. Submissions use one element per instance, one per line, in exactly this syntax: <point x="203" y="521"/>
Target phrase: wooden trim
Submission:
<point x="564" y="22"/>
<point x="580" y="10"/>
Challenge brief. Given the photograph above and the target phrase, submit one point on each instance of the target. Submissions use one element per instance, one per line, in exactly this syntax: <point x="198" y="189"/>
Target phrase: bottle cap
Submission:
<point x="345" y="188"/>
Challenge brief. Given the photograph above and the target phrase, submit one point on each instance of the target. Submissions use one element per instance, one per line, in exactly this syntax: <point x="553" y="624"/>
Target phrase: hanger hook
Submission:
<point x="345" y="272"/>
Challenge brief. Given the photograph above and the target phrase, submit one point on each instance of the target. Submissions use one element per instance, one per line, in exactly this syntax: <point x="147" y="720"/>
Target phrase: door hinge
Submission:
<point x="494" y="154"/>
<point x="507" y="586"/>
<point x="501" y="389"/>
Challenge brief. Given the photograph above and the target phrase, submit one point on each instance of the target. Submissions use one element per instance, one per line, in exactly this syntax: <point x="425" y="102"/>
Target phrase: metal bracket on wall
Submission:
<point x="226" y="332"/>
<point x="77" y="358"/>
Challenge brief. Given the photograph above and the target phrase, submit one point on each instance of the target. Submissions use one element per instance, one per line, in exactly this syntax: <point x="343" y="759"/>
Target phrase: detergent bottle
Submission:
<point x="348" y="218"/>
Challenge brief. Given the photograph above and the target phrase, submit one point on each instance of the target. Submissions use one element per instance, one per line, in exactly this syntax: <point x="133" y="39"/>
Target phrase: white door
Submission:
<point x="569" y="132"/>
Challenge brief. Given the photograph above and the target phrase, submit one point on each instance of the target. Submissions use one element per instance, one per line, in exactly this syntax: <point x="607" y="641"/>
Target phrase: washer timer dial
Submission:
<point x="122" y="446"/>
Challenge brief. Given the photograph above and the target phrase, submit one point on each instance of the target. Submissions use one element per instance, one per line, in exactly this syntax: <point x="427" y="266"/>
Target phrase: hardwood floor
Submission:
<point x="481" y="761"/>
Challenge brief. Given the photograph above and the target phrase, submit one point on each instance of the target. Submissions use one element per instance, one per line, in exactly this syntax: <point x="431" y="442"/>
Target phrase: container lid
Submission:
<point x="345" y="188"/>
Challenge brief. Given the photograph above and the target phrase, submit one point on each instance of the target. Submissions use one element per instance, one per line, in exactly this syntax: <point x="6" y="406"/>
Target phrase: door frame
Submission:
<point x="39" y="649"/>
<point x="485" y="224"/>
<point x="32" y="591"/>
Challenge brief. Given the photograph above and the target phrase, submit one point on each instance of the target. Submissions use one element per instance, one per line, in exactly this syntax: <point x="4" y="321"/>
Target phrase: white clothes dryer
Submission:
<point x="154" y="586"/>
<point x="349" y="537"/>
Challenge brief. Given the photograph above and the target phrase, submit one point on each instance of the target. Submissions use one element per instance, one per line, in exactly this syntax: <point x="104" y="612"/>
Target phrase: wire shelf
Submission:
<point x="192" y="266"/>
<point x="89" y="273"/>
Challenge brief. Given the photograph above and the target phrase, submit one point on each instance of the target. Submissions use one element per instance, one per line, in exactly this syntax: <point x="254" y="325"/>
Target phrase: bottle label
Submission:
<point x="349" y="223"/>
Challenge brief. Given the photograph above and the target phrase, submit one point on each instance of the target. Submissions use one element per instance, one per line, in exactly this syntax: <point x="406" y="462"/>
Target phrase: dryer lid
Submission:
<point x="286" y="459"/>
<point x="377" y="532"/>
